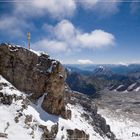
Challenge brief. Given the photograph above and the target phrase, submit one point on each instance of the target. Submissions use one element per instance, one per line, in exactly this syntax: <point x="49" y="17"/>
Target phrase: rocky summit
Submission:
<point x="35" y="99"/>
<point x="35" y="75"/>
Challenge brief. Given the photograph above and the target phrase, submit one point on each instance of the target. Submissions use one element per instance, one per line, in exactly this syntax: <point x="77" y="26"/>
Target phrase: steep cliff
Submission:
<point x="35" y="75"/>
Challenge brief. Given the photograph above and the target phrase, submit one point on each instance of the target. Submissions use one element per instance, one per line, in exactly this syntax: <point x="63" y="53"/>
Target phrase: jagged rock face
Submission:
<point x="34" y="74"/>
<point x="57" y="90"/>
<point x="92" y="116"/>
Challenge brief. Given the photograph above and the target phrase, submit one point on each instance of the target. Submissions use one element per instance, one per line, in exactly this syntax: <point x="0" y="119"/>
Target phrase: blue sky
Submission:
<point x="80" y="31"/>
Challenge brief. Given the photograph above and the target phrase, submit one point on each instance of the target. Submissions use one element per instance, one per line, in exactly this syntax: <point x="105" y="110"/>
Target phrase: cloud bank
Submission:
<point x="64" y="36"/>
<point x="102" y="7"/>
<point x="54" y="8"/>
<point x="64" y="8"/>
<point x="67" y="38"/>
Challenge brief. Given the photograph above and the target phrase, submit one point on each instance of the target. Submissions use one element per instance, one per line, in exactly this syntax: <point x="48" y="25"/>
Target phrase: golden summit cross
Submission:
<point x="29" y="38"/>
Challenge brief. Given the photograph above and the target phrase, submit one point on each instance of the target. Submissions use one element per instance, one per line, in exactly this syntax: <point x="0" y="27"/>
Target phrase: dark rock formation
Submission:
<point x="3" y="135"/>
<point x="49" y="135"/>
<point x="28" y="119"/>
<point x="77" y="134"/>
<point x="101" y="123"/>
<point x="34" y="74"/>
<point x="6" y="99"/>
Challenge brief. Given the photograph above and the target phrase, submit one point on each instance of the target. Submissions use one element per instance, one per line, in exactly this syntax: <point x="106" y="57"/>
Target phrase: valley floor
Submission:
<point x="121" y="111"/>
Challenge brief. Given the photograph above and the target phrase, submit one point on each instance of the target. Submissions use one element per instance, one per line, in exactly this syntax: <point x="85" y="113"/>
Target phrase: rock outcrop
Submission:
<point x="6" y="99"/>
<point x="49" y="135"/>
<point x="77" y="134"/>
<point x="3" y="135"/>
<point x="35" y="75"/>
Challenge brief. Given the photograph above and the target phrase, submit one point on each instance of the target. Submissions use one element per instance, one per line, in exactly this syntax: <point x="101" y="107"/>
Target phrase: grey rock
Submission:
<point x="3" y="135"/>
<point x="77" y="134"/>
<point x="49" y="135"/>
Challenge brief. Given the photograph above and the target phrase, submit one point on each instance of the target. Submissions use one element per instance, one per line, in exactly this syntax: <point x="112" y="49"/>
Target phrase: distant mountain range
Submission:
<point x="115" y="68"/>
<point x="90" y="79"/>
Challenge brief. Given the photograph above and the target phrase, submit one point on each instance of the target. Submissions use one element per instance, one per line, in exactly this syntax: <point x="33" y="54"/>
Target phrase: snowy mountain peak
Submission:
<point x="33" y="100"/>
<point x="102" y="70"/>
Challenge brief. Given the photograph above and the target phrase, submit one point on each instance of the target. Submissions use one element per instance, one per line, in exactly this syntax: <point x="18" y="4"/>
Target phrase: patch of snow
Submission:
<point x="13" y="50"/>
<point x="54" y="62"/>
<point x="36" y="52"/>
<point x="137" y="89"/>
<point x="50" y="69"/>
<point x="102" y="67"/>
<point x="18" y="46"/>
<point x="10" y="89"/>
<point x="69" y="70"/>
<point x="131" y="86"/>
<point x="120" y="86"/>
<point x="60" y="75"/>
<point x="125" y="91"/>
<point x="39" y="53"/>
<point x="123" y="64"/>
<point x="42" y="52"/>
<point x="9" y="45"/>
<point x="53" y="65"/>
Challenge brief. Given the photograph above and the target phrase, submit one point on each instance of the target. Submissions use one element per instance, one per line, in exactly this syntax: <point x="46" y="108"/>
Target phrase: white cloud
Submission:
<point x="103" y="8"/>
<point x="70" y="39"/>
<point x="65" y="30"/>
<point x="52" y="46"/>
<point x="96" y="39"/>
<point x="64" y="8"/>
<point x="56" y="8"/>
<point x="85" y="61"/>
<point x="12" y="26"/>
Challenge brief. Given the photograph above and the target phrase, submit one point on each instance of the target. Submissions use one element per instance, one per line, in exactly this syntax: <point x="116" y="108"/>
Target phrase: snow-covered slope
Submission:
<point x="21" y="119"/>
<point x="10" y="123"/>
<point x="123" y="127"/>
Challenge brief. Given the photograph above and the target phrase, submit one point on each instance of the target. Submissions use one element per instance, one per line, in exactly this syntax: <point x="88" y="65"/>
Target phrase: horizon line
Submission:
<point x="101" y="64"/>
<point x="106" y="1"/>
